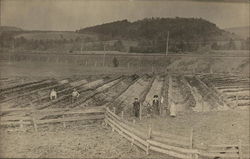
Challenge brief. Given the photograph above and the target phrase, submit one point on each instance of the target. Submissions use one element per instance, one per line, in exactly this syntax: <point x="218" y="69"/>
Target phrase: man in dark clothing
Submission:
<point x="136" y="106"/>
<point x="156" y="105"/>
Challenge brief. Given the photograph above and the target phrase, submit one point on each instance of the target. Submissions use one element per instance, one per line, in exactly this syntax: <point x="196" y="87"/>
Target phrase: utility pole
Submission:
<point x="0" y="12"/>
<point x="81" y="48"/>
<point x="167" y="44"/>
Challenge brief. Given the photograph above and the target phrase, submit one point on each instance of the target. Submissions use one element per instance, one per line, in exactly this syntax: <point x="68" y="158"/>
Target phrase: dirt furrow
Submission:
<point x="65" y="100"/>
<point x="86" y="95"/>
<point x="111" y="93"/>
<point x="136" y="90"/>
<point x="22" y="87"/>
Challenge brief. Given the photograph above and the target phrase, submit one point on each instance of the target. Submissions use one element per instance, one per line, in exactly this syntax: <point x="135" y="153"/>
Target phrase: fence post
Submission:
<point x="140" y="112"/>
<point x="191" y="138"/>
<point x="35" y="125"/>
<point x="237" y="100"/>
<point x="240" y="149"/>
<point x="193" y="156"/>
<point x="149" y="136"/>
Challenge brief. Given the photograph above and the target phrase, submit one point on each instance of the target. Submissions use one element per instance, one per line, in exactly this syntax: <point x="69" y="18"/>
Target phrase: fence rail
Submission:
<point x="36" y="118"/>
<point x="147" y="139"/>
<point x="170" y="144"/>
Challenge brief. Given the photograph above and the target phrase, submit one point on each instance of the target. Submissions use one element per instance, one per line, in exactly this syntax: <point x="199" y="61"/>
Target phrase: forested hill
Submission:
<point x="180" y="29"/>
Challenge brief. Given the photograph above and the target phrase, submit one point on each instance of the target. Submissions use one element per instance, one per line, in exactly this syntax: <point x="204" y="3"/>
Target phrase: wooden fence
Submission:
<point x="237" y="151"/>
<point x="63" y="116"/>
<point x="170" y="144"/>
<point x="146" y="139"/>
<point x="149" y="140"/>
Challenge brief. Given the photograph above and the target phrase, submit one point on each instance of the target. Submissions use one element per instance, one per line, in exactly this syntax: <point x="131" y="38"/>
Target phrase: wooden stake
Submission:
<point x="149" y="132"/>
<point x="191" y="138"/>
<point x="240" y="149"/>
<point x="237" y="100"/>
<point x="148" y="146"/>
<point x="149" y="136"/>
<point x="122" y="114"/>
<point x="35" y="125"/>
<point x="140" y="114"/>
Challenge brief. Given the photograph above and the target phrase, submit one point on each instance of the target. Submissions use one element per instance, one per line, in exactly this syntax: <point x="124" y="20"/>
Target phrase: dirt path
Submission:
<point x="178" y="96"/>
<point x="125" y="100"/>
<point x="154" y="90"/>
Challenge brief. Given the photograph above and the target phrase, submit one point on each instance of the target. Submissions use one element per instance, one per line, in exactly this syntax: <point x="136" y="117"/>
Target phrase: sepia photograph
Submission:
<point x="120" y="79"/>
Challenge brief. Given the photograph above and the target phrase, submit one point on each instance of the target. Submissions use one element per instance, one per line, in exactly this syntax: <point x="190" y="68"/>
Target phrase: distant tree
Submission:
<point x="115" y="62"/>
<point x="118" y="45"/>
<point x="231" y="45"/>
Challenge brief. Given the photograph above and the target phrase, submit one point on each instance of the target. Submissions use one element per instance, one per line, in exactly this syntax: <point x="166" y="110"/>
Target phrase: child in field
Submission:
<point x="53" y="94"/>
<point x="75" y="95"/>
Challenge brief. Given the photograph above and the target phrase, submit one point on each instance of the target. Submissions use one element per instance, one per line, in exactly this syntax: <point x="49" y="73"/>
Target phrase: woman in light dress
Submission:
<point x="172" y="108"/>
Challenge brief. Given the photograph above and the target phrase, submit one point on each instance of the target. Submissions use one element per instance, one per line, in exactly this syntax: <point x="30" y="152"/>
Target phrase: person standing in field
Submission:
<point x="53" y="94"/>
<point x="172" y="108"/>
<point x="136" y="107"/>
<point x="75" y="95"/>
<point x="162" y="107"/>
<point x="156" y="105"/>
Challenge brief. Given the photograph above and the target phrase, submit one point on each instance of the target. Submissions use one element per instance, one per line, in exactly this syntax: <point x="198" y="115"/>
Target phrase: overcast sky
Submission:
<point x="75" y="14"/>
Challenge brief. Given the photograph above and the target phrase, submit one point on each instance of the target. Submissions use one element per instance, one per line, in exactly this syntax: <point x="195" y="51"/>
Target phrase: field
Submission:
<point x="211" y="99"/>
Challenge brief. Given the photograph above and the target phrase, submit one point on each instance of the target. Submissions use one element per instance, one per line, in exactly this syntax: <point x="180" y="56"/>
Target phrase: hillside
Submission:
<point x="180" y="29"/>
<point x="52" y="35"/>
<point x="243" y="32"/>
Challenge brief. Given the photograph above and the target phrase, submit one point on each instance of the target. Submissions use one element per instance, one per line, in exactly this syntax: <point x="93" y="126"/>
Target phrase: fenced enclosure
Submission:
<point x="171" y="144"/>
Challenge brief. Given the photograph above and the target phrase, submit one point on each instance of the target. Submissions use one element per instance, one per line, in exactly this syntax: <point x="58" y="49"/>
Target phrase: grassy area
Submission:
<point x="212" y="128"/>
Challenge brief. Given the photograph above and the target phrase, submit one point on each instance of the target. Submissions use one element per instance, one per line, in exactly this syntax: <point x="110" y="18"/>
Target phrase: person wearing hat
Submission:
<point x="53" y="94"/>
<point x="75" y="95"/>
<point x="136" y="107"/>
<point x="156" y="105"/>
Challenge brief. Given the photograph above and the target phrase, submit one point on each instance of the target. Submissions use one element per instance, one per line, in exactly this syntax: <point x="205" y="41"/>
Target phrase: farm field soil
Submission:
<point x="44" y="69"/>
<point x="93" y="141"/>
<point x="111" y="93"/>
<point x="212" y="128"/>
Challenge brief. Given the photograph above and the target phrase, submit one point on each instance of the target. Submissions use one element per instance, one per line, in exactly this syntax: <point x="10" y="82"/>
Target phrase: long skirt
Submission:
<point x="173" y="110"/>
